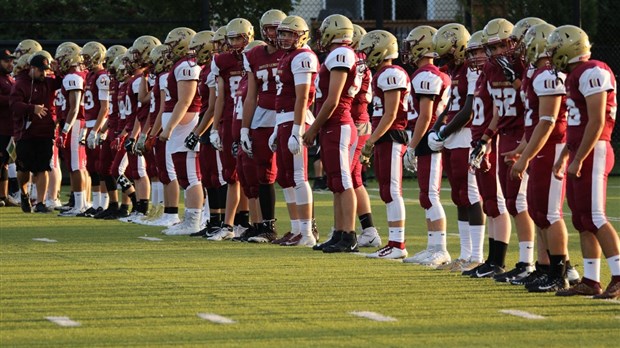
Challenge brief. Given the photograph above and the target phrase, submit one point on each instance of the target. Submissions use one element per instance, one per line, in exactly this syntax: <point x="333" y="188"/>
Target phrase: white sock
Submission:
<point x="79" y="199"/>
<point x="154" y="194"/>
<point x="104" y="200"/>
<point x="33" y="190"/>
<point x="305" y="227"/>
<point x="397" y="234"/>
<point x="526" y="252"/>
<point x="430" y="241"/>
<point x="614" y="265"/>
<point x="96" y="199"/>
<point x="12" y="171"/>
<point x="295" y="227"/>
<point x="441" y="240"/>
<point x="465" y="236"/>
<point x="477" y="242"/>
<point x="592" y="269"/>
<point x="160" y="193"/>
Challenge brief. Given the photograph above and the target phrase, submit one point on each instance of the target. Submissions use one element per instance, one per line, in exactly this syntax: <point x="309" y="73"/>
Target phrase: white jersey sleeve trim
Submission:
<point x="73" y="82"/>
<point x="305" y="62"/>
<point x="391" y="79"/>
<point x="215" y="70"/>
<point x="341" y="57"/>
<point x="595" y="80"/>
<point x="547" y="83"/>
<point x="186" y="72"/>
<point x="427" y="83"/>
<point x="472" y="78"/>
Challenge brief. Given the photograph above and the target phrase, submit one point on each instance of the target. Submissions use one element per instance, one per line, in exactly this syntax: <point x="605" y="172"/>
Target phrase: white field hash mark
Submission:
<point x="218" y="319"/>
<point x="152" y="239"/>
<point x="522" y="314"/>
<point x="63" y="321"/>
<point x="46" y="240"/>
<point x="373" y="316"/>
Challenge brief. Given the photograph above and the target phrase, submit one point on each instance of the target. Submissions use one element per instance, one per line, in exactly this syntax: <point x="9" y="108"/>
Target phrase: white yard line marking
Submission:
<point x="45" y="240"/>
<point x="522" y="314"/>
<point x="373" y="316"/>
<point x="218" y="319"/>
<point x="63" y="321"/>
<point x="152" y="239"/>
<point x="613" y="301"/>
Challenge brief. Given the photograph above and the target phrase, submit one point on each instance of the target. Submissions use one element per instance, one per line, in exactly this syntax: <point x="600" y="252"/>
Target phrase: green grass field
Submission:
<point x="126" y="291"/>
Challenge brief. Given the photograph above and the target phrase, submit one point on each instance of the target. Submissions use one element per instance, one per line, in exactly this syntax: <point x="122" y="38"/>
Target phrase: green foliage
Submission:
<point x="123" y="19"/>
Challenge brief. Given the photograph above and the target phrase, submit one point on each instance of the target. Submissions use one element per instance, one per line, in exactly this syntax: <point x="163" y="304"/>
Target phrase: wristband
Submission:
<point x="66" y="128"/>
<point x="489" y="132"/>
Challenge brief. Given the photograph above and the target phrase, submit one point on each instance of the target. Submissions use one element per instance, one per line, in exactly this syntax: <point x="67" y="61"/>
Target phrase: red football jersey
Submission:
<point x="6" y="119"/>
<point x="97" y="88"/>
<point x="113" y="114"/>
<point x="544" y="82"/>
<point x="429" y="81"/>
<point x="587" y="79"/>
<point x="132" y="105"/>
<point x="363" y="78"/>
<point x="122" y="92"/>
<point x="390" y="78"/>
<point x="299" y="61"/>
<point x="229" y="67"/>
<point x="240" y="94"/>
<point x="463" y="84"/>
<point x="505" y="97"/>
<point x="206" y="80"/>
<point x="73" y="82"/>
<point x="265" y="68"/>
<point x="185" y="69"/>
<point x="342" y="57"/>
<point x="482" y="108"/>
<point x="155" y="101"/>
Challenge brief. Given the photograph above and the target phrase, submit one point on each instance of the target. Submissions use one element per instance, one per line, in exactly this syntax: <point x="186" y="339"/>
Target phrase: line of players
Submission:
<point x="220" y="113"/>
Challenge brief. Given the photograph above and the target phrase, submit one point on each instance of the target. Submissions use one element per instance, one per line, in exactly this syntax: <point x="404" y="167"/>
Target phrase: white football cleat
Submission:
<point x="238" y="230"/>
<point x="419" y="256"/>
<point x="225" y="233"/>
<point x="369" y="238"/>
<point x="72" y="212"/>
<point x="134" y="216"/>
<point x="180" y="229"/>
<point x="165" y="220"/>
<point x="307" y="241"/>
<point x="389" y="252"/>
<point x="437" y="258"/>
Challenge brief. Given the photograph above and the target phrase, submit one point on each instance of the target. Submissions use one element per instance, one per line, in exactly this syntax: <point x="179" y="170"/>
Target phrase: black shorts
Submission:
<point x="34" y="155"/>
<point x="4" y="156"/>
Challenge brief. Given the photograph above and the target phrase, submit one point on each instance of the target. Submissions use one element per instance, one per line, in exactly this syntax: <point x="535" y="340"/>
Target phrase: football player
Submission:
<point x="206" y="44"/>
<point x="335" y="89"/>
<point x="295" y="92"/>
<point x="259" y="119"/>
<point x="105" y="133"/>
<point x="228" y="68"/>
<point x="27" y="46"/>
<point x="545" y="132"/>
<point x="450" y="43"/>
<point x="70" y="66"/>
<point x="431" y="88"/>
<point x="591" y="101"/>
<point x="503" y="72"/>
<point x="96" y="107"/>
<point x="390" y="88"/>
<point x="179" y="118"/>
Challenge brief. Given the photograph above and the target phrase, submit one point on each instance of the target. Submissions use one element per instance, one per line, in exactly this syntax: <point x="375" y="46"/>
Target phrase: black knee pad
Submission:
<point x="95" y="179"/>
<point x="124" y="183"/>
<point x="110" y="183"/>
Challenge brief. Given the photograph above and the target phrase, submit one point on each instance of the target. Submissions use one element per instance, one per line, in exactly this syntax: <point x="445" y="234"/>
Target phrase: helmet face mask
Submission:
<point x="498" y="39"/>
<point x="535" y="42"/>
<point x="475" y="54"/>
<point x="68" y="57"/>
<point x="178" y="40"/>
<point x="93" y="54"/>
<point x="113" y="52"/>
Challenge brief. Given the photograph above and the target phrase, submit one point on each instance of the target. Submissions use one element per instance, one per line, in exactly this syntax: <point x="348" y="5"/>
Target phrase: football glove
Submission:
<point x="477" y="154"/>
<point x="91" y="140"/>
<point x="130" y="145"/>
<point x="273" y="139"/>
<point x="214" y="138"/>
<point x="410" y="161"/>
<point x="367" y="151"/>
<point x="435" y="143"/>
<point x="294" y="141"/>
<point x="150" y="143"/>
<point x="507" y="68"/>
<point x="246" y="142"/>
<point x="191" y="141"/>
<point x="61" y="140"/>
<point x="140" y="144"/>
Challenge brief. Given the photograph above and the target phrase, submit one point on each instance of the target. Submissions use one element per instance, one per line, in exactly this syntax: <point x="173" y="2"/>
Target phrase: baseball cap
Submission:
<point x="6" y="54"/>
<point x="39" y="61"/>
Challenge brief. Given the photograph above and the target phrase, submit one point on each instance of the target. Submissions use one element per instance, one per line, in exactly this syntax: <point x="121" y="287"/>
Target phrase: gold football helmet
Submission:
<point x="254" y="44"/>
<point x="568" y="44"/>
<point x="378" y="45"/>
<point x="499" y="30"/>
<point x="93" y="54"/>
<point x="21" y="63"/>
<point x="298" y="27"/>
<point x="220" y="41"/>
<point x="335" y="29"/>
<point x="535" y="41"/>
<point x="158" y="58"/>
<point x="113" y="52"/>
<point x="271" y="19"/>
<point x="451" y="40"/>
<point x="43" y="53"/>
<point x="178" y="40"/>
<point x="201" y="46"/>
<point x="65" y="44"/>
<point x="519" y="30"/>
<point x="121" y="68"/>
<point x="475" y="43"/>
<point x="139" y="51"/>
<point x="239" y="27"/>
<point x="358" y="32"/>
<point x="418" y="44"/>
<point x="27" y="46"/>
<point x="68" y="57"/>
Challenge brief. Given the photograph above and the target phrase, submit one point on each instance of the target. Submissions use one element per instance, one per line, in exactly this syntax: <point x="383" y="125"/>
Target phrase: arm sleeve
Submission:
<point x="426" y="83"/>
